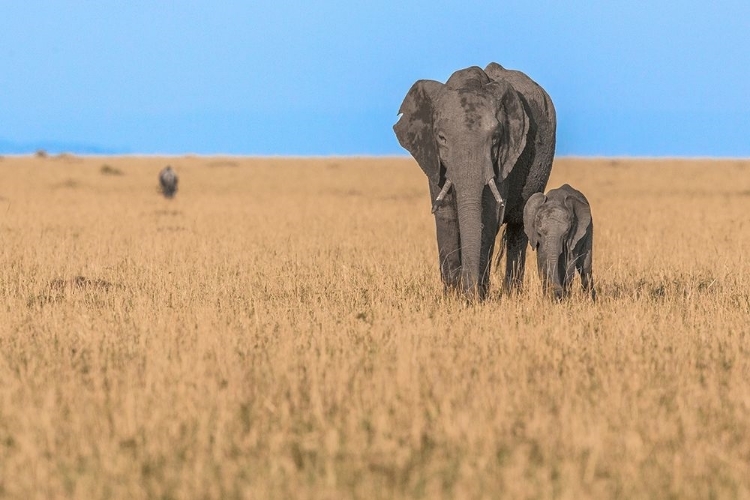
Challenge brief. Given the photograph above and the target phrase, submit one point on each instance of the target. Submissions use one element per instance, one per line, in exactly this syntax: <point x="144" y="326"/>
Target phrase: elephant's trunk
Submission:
<point x="469" y="201"/>
<point x="557" y="287"/>
<point x="554" y="269"/>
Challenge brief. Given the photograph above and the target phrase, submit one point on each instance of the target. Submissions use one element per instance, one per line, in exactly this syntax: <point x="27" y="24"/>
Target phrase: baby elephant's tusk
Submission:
<point x="441" y="196"/>
<point x="495" y="192"/>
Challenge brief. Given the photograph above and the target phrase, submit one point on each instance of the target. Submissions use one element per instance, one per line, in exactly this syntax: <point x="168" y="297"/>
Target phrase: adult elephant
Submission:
<point x="485" y="139"/>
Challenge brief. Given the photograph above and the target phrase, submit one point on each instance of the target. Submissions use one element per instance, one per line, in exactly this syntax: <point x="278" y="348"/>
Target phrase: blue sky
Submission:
<point x="643" y="78"/>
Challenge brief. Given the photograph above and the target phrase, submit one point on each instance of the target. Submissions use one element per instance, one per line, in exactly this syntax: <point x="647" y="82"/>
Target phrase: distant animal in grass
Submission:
<point x="168" y="182"/>
<point x="560" y="228"/>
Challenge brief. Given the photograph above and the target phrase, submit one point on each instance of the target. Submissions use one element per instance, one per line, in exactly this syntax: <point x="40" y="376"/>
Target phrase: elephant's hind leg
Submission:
<point x="587" y="279"/>
<point x="516" y="241"/>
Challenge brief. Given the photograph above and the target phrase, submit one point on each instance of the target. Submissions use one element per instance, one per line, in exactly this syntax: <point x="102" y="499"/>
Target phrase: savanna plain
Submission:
<point x="279" y="330"/>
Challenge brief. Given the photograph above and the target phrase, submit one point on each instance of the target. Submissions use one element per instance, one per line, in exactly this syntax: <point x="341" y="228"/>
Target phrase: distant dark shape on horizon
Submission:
<point x="168" y="182"/>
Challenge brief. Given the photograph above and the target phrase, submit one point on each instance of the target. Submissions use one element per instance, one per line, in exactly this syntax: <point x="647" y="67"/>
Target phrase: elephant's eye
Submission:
<point x="441" y="139"/>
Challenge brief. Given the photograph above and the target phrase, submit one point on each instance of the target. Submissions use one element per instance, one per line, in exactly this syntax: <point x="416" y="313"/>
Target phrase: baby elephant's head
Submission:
<point x="555" y="225"/>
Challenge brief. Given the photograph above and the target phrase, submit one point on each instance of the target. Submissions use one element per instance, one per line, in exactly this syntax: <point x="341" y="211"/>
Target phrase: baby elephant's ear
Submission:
<point x="579" y="205"/>
<point x="529" y="215"/>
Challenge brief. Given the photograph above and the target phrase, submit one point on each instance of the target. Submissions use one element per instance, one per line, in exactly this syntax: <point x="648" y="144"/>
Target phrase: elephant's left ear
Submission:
<point x="514" y="123"/>
<point x="580" y="207"/>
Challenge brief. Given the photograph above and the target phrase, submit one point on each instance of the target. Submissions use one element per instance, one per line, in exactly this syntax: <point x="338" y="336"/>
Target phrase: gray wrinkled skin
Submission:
<point x="560" y="228"/>
<point x="486" y="140"/>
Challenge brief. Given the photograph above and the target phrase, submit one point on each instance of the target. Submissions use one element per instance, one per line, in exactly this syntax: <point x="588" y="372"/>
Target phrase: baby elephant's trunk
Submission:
<point x="552" y="264"/>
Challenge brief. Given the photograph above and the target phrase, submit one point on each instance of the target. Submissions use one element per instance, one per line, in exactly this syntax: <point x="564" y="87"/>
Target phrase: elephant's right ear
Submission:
<point x="414" y="126"/>
<point x="514" y="125"/>
<point x="579" y="205"/>
<point x="529" y="215"/>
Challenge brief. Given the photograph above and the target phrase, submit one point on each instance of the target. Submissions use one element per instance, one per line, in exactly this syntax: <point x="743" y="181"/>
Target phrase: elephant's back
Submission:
<point x="533" y="168"/>
<point x="542" y="108"/>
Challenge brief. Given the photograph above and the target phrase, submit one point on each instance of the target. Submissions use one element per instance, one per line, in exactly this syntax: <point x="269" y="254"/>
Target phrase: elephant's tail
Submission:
<point x="503" y="245"/>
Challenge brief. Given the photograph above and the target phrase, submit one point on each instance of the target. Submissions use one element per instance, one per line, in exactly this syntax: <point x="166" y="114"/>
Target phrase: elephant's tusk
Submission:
<point x="495" y="192"/>
<point x="441" y="196"/>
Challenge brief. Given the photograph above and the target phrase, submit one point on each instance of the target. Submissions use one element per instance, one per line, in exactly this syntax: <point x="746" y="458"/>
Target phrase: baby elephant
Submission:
<point x="560" y="229"/>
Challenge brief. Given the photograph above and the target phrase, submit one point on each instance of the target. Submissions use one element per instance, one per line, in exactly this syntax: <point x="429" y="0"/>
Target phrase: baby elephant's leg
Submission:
<point x="587" y="278"/>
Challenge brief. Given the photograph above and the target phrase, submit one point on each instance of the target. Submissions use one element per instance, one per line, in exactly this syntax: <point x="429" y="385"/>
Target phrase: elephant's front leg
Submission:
<point x="449" y="243"/>
<point x="516" y="260"/>
<point x="491" y="213"/>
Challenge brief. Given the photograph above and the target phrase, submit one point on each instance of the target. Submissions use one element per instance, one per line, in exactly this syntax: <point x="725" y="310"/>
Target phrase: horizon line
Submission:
<point x="352" y="156"/>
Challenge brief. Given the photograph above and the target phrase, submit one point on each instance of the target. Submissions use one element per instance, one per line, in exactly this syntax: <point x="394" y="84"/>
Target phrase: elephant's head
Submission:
<point x="555" y="224"/>
<point x="466" y="135"/>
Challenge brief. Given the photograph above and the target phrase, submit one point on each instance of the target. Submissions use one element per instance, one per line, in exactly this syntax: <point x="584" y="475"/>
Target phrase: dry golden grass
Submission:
<point x="278" y="330"/>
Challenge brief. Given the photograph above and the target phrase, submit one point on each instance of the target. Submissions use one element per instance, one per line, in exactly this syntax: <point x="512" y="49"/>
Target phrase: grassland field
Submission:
<point x="279" y="330"/>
